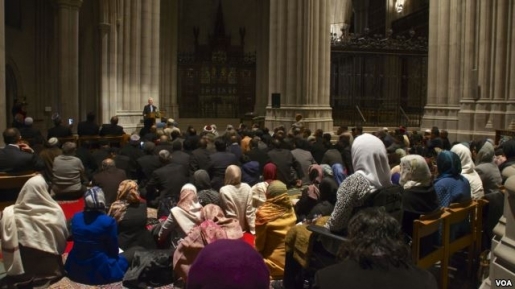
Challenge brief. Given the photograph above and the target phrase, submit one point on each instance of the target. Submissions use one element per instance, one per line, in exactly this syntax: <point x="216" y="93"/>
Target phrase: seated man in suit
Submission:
<point x="16" y="156"/>
<point x="30" y="133"/>
<point x="150" y="110"/>
<point x="112" y="129"/>
<point x="109" y="179"/>
<point x="59" y="130"/>
<point x="88" y="127"/>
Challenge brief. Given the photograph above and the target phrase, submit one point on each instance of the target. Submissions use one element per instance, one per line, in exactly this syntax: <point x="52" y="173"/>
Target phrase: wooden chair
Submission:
<point x="114" y="141"/>
<point x="459" y="214"/>
<point x="425" y="226"/>
<point x="479" y="225"/>
<point x="73" y="139"/>
<point x="12" y="183"/>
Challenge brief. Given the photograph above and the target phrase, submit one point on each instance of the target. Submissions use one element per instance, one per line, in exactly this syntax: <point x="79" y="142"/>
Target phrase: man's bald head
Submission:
<point x="108" y="163"/>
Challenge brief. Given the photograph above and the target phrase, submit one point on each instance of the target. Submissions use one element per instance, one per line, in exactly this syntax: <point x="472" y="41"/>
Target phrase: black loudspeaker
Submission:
<point x="276" y="100"/>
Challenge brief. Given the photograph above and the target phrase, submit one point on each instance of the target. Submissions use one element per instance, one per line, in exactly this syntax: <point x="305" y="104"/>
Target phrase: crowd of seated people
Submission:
<point x="245" y="182"/>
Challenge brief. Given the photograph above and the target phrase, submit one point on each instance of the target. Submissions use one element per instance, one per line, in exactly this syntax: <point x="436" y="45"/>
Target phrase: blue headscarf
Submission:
<point x="338" y="173"/>
<point x="449" y="165"/>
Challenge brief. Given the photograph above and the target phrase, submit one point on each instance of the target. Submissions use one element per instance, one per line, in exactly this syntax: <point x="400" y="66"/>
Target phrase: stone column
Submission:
<point x="68" y="57"/>
<point x="154" y="52"/>
<point x="104" y="29"/>
<point x="168" y="57"/>
<point x="262" y="54"/>
<point x="299" y="63"/>
<point x="3" y="120"/>
<point x="502" y="261"/>
<point x="443" y="70"/>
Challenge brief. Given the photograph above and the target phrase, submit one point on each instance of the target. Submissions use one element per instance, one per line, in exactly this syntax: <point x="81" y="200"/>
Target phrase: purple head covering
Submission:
<point x="228" y="264"/>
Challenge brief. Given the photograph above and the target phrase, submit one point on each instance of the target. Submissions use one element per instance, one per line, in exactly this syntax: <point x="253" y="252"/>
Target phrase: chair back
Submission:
<point x="425" y="226"/>
<point x="462" y="227"/>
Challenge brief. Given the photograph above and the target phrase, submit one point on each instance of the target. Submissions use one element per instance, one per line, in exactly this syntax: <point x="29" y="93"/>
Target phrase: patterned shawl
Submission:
<point x="127" y="194"/>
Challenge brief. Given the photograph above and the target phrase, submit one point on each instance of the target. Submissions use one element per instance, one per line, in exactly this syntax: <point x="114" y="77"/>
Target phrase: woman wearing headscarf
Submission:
<point x="419" y="195"/>
<point x="33" y="234"/>
<point x="237" y="199"/>
<point x="130" y="213"/>
<point x="228" y="264"/>
<point x="371" y="172"/>
<point x="184" y="216"/>
<point x="338" y="173"/>
<point x="273" y="220"/>
<point x="487" y="169"/>
<point x="94" y="258"/>
<point x="259" y="189"/>
<point x="311" y="194"/>
<point x="325" y="206"/>
<point x="214" y="226"/>
<point x="450" y="185"/>
<point x="467" y="170"/>
<point x="205" y="193"/>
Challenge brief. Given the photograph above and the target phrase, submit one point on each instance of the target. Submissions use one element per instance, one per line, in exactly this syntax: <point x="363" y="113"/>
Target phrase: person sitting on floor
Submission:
<point x="33" y="233"/>
<point x="206" y="194"/>
<point x="374" y="256"/>
<point x="228" y="264"/>
<point x="237" y="199"/>
<point x="214" y="226"/>
<point x="273" y="220"/>
<point x="94" y="258"/>
<point x="69" y="174"/>
<point x="130" y="213"/>
<point x="183" y="217"/>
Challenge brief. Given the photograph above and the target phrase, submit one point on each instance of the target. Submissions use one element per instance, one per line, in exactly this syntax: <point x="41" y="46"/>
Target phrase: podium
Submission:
<point x="152" y="116"/>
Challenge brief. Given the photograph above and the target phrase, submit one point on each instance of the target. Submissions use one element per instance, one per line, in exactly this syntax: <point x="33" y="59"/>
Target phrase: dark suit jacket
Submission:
<point x="160" y="147"/>
<point x="134" y="153"/>
<point x="260" y="156"/>
<point x="183" y="159"/>
<point x="109" y="129"/>
<point x="59" y="131"/>
<point x="168" y="180"/>
<point x="87" y="128"/>
<point x="147" y="164"/>
<point x="146" y="109"/>
<point x="109" y="180"/>
<point x="217" y="166"/>
<point x="32" y="134"/>
<point x="199" y="160"/>
<point x="285" y="163"/>
<point x="13" y="160"/>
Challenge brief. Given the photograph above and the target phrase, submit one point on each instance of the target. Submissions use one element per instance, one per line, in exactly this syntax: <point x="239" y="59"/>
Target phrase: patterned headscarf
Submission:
<point x="94" y="200"/>
<point x="277" y="204"/>
<point x="316" y="173"/>
<point x="127" y="194"/>
<point x="339" y="174"/>
<point x="414" y="172"/>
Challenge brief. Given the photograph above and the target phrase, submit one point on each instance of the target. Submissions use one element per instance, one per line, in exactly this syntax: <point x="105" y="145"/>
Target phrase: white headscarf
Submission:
<point x="187" y="213"/>
<point x="414" y="172"/>
<point x="35" y="221"/>
<point x="369" y="159"/>
<point x="467" y="170"/>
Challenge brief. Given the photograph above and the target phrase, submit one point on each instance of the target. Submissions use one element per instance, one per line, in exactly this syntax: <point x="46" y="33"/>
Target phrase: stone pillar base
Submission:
<point x="314" y="117"/>
<point x="444" y="117"/>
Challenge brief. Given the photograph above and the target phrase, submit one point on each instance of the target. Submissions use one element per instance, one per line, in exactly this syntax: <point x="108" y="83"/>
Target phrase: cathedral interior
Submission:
<point x="373" y="63"/>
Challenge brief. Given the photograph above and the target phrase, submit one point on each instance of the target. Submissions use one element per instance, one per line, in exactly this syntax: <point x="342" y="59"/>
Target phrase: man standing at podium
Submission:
<point x="150" y="110"/>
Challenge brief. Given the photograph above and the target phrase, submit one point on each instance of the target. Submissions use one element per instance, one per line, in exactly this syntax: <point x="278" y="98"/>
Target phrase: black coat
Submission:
<point x="59" y="131"/>
<point x="111" y="129"/>
<point x="147" y="164"/>
<point x="219" y="163"/>
<point x="13" y="160"/>
<point x="199" y="160"/>
<point x="87" y="128"/>
<point x="109" y="180"/>
<point x="168" y="180"/>
<point x="286" y="164"/>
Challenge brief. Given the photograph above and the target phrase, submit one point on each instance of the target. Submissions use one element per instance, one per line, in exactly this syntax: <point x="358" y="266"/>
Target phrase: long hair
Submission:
<point x="375" y="240"/>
